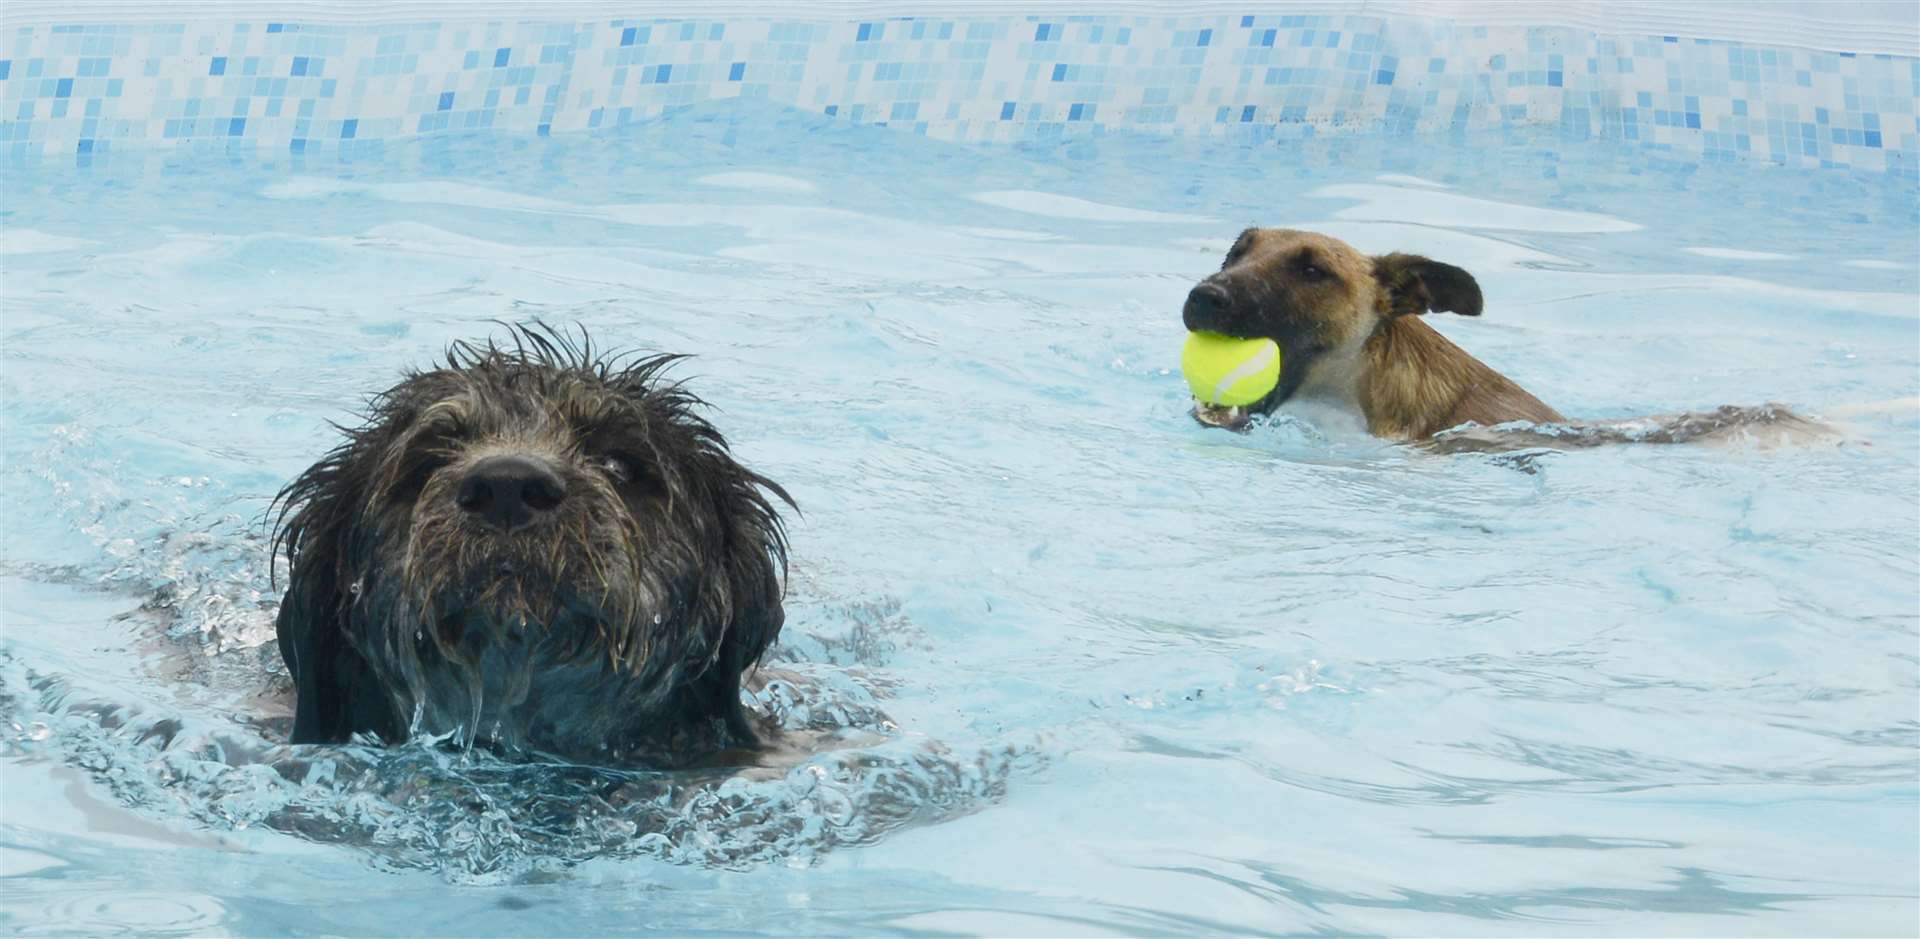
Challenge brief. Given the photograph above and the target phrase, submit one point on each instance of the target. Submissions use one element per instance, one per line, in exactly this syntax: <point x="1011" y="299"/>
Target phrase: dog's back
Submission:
<point x="1767" y="425"/>
<point x="1418" y="383"/>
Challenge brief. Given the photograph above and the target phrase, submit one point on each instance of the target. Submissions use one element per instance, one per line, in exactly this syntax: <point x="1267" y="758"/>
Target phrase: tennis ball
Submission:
<point x="1229" y="372"/>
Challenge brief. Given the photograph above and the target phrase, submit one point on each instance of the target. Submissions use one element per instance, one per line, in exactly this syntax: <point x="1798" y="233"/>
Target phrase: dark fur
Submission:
<point x="614" y="628"/>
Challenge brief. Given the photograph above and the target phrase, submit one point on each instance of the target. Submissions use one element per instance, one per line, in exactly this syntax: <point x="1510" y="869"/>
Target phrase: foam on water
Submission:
<point x="1061" y="659"/>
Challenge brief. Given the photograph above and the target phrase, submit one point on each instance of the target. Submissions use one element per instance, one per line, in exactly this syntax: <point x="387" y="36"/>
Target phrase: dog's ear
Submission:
<point x="335" y="692"/>
<point x="742" y="603"/>
<point x="1411" y="284"/>
<point x="756" y="564"/>
<point x="1241" y="246"/>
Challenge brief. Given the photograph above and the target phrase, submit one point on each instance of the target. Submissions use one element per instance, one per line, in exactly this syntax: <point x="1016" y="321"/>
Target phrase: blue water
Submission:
<point x="1097" y="670"/>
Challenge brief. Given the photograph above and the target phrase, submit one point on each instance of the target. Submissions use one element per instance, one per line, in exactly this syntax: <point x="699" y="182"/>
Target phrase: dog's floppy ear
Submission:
<point x="335" y="692"/>
<point x="1411" y="284"/>
<point x="741" y="603"/>
<point x="756" y="563"/>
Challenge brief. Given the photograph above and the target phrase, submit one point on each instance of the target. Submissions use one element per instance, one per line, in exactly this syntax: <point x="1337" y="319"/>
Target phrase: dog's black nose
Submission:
<point x="1206" y="304"/>
<point x="509" y="492"/>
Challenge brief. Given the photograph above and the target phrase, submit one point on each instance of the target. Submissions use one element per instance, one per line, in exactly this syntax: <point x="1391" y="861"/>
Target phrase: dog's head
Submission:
<point x="1319" y="298"/>
<point x="530" y="544"/>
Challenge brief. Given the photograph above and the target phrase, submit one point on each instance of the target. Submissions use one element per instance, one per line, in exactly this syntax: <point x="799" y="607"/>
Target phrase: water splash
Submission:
<point x="474" y="818"/>
<point x="214" y="754"/>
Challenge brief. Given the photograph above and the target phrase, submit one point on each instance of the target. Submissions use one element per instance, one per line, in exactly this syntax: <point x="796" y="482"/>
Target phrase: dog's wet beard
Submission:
<point x="611" y="627"/>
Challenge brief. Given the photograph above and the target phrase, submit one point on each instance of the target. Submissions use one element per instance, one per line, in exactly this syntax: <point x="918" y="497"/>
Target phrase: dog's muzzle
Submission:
<point x="1206" y="309"/>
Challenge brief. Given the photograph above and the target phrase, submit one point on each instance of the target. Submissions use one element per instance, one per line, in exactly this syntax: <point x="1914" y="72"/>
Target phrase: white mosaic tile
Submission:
<point x="305" y="86"/>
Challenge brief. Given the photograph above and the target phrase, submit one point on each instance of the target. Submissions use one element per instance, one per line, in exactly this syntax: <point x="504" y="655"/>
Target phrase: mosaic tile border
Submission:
<point x="303" y="86"/>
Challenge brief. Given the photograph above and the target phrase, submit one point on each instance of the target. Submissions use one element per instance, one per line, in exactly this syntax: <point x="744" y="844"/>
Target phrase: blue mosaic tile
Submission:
<point x="303" y="86"/>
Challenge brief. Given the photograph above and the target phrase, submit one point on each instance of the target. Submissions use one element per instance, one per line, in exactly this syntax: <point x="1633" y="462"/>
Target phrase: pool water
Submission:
<point x="1099" y="670"/>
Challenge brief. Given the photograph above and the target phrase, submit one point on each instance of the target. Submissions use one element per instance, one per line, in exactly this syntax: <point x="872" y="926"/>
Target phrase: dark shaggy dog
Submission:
<point x="535" y="548"/>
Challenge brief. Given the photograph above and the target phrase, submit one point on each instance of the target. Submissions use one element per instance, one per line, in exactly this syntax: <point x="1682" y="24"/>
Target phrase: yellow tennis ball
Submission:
<point x="1230" y="372"/>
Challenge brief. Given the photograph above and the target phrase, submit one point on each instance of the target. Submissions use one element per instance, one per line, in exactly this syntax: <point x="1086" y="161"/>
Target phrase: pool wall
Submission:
<point x="1758" y="81"/>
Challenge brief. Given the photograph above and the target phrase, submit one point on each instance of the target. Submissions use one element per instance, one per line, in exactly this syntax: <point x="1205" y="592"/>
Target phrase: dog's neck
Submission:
<point x="1411" y="383"/>
<point x="1333" y="379"/>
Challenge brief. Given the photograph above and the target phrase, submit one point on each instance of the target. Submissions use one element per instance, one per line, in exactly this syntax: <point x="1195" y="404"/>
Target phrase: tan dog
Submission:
<point x="1350" y="335"/>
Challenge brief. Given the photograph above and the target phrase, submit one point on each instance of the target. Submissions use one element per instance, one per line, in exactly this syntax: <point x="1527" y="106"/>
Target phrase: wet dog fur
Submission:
<point x="537" y="548"/>
<point x="1352" y="337"/>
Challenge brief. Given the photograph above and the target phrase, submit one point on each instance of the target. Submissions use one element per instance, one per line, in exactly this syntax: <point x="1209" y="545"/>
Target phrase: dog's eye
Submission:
<point x="634" y="476"/>
<point x="615" y="466"/>
<point x="420" y="472"/>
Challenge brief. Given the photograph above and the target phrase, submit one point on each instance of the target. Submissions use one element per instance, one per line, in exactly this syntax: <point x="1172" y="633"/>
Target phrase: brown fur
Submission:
<point x="1417" y="383"/>
<point x="1350" y="334"/>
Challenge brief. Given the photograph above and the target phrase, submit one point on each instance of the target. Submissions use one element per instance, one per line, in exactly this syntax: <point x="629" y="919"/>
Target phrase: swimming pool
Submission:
<point x="1122" y="673"/>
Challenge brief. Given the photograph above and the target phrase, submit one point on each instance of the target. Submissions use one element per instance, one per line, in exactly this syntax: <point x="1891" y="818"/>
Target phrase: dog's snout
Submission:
<point x="1206" y="304"/>
<point x="510" y="492"/>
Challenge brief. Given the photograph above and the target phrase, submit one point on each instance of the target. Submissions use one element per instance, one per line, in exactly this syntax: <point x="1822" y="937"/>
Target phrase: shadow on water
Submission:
<point x="1688" y="890"/>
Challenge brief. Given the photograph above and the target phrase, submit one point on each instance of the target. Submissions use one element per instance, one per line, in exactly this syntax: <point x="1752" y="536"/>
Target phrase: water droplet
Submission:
<point x="38" y="731"/>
